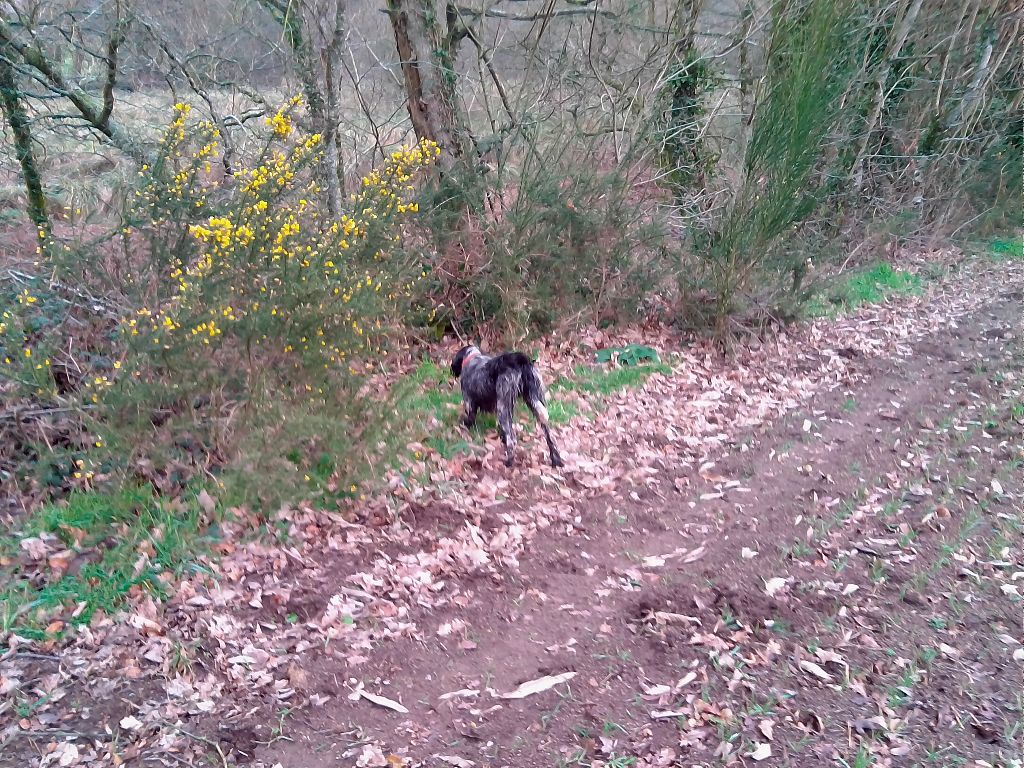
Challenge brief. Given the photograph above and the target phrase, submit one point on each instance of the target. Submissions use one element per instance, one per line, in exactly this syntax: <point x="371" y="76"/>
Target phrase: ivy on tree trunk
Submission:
<point x="21" y="132"/>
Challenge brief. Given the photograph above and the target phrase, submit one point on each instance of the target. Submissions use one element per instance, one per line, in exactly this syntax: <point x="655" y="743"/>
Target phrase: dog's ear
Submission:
<point x="460" y="357"/>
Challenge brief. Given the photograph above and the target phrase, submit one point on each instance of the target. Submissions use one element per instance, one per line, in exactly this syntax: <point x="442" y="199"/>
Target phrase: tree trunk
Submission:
<point x="334" y="166"/>
<point x="881" y="89"/>
<point x="974" y="91"/>
<point x="17" y="119"/>
<point x="319" y="99"/>
<point x="746" y="73"/>
<point x="427" y="53"/>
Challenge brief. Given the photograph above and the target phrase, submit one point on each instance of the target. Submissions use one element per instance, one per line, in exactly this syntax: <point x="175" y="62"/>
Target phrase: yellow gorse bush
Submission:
<point x="267" y="269"/>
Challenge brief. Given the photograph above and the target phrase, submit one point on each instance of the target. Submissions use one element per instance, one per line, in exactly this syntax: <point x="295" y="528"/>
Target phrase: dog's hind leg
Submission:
<point x="540" y="412"/>
<point x="508" y="433"/>
<point x="508" y="388"/>
<point x="468" y="415"/>
<point x="534" y="396"/>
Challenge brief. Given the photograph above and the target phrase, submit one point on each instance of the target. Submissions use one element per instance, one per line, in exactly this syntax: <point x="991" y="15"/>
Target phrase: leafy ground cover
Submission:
<point x="804" y="553"/>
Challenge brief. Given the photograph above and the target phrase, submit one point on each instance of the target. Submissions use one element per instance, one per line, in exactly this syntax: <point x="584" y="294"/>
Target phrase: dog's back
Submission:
<point x="516" y="373"/>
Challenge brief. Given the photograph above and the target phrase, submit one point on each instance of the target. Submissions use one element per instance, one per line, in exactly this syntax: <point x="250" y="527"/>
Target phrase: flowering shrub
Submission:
<point x="25" y="360"/>
<point x="222" y="289"/>
<point x="266" y="270"/>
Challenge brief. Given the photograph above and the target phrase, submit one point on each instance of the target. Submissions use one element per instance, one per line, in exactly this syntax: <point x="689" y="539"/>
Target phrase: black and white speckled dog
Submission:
<point x="492" y="384"/>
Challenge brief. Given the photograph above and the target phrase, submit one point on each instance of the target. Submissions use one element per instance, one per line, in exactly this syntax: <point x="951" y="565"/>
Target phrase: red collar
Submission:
<point x="469" y="356"/>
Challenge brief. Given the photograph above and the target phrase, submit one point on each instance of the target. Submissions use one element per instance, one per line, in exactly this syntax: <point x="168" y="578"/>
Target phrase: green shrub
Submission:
<point x="807" y="66"/>
<point x="235" y="300"/>
<point x="570" y="240"/>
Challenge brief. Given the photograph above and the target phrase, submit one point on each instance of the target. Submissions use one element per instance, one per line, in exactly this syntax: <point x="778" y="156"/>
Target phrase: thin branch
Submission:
<point x="117" y="35"/>
<point x="493" y="13"/>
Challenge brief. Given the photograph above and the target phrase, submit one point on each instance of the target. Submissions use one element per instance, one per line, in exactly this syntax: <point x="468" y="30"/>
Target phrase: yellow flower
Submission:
<point x="281" y="125"/>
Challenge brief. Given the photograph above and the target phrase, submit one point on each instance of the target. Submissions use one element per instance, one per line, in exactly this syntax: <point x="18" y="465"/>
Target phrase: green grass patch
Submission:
<point x="120" y="541"/>
<point x="1007" y="248"/>
<point x="426" y="392"/>
<point x="869" y="285"/>
<point x="606" y="381"/>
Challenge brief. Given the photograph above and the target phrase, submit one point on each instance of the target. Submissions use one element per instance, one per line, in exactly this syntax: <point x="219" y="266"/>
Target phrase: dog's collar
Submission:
<point x="470" y="355"/>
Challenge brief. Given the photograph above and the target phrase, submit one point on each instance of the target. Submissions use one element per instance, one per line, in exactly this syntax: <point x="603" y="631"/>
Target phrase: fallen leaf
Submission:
<point x="811" y="668"/>
<point x="695" y="554"/>
<point x="371" y="756"/>
<point x="450" y="627"/>
<point x="297" y="677"/>
<point x="663" y="714"/>
<point x="685" y="680"/>
<point x="761" y="752"/>
<point x="464" y="693"/>
<point x="657" y="690"/>
<point x="997" y="486"/>
<point x="380" y="701"/>
<point x="829" y="656"/>
<point x="130" y="723"/>
<point x="774" y="585"/>
<point x="206" y="502"/>
<point x="35" y="547"/>
<point x="869" y="724"/>
<point x="458" y="762"/>
<point x="68" y="755"/>
<point x="54" y="627"/>
<point x="538" y="686"/>
<point x="767" y="728"/>
<point x="748" y="554"/>
<point x="667" y="617"/>
<point x="60" y="561"/>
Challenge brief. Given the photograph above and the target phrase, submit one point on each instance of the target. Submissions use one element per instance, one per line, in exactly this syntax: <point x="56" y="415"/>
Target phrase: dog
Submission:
<point x="492" y="385"/>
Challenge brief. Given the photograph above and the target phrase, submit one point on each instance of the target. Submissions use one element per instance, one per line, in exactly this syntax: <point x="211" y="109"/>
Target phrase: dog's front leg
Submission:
<point x="468" y="415"/>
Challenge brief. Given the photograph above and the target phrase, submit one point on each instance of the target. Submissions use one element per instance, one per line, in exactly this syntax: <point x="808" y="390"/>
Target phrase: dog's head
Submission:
<point x="460" y="359"/>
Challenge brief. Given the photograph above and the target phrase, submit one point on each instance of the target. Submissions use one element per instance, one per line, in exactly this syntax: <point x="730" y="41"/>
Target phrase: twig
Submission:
<point x="49" y="734"/>
<point x="16" y="415"/>
<point x="37" y="656"/>
<point x="850" y="257"/>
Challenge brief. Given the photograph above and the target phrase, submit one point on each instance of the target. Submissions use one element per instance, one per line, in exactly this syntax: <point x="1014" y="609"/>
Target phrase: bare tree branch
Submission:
<point x="494" y="13"/>
<point x="33" y="56"/>
<point x="117" y="35"/>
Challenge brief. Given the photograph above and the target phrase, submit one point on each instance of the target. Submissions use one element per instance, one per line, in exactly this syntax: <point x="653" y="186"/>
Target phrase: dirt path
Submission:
<point x="844" y="584"/>
<point x="808" y="554"/>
